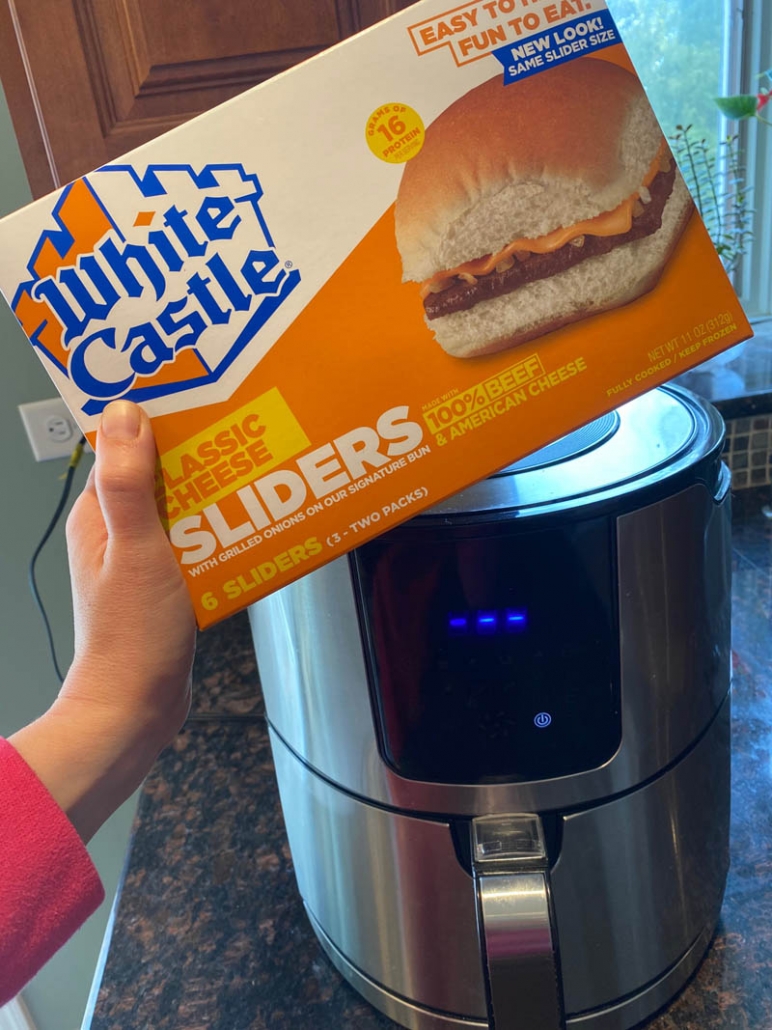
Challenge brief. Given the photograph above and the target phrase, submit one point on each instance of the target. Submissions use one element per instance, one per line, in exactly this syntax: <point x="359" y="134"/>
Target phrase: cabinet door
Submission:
<point x="87" y="80"/>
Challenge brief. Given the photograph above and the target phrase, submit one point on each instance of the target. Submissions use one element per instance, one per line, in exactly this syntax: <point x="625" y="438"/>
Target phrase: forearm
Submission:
<point x="125" y="697"/>
<point x="90" y="759"/>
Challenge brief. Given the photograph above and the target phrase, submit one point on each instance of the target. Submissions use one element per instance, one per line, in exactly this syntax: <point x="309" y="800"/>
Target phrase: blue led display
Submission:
<point x="487" y="622"/>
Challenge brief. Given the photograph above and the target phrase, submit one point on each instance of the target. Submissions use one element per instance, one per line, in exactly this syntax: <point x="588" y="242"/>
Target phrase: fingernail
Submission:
<point x="120" y="421"/>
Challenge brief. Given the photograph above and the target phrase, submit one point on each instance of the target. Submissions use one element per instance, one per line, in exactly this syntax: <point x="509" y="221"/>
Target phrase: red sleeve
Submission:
<point x="48" y="883"/>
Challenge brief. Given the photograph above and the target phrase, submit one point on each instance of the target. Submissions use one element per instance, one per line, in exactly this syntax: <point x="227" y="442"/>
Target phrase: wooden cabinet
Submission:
<point x="87" y="80"/>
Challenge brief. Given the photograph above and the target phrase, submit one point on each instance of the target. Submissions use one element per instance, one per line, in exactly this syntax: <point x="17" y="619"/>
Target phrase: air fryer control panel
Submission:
<point x="493" y="655"/>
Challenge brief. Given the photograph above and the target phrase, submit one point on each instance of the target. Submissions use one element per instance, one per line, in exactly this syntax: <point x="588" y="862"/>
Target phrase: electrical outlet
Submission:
<point x="51" y="429"/>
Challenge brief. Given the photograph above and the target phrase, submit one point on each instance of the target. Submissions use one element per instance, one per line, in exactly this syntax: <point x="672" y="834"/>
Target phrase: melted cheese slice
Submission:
<point x="608" y="223"/>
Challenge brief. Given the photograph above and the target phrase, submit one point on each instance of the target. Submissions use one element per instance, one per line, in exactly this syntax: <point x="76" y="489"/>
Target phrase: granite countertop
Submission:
<point x="738" y="380"/>
<point x="208" y="930"/>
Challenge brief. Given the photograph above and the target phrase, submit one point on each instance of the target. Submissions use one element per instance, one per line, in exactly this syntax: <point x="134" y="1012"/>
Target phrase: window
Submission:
<point x="679" y="51"/>
<point x="689" y="51"/>
<point x="755" y="280"/>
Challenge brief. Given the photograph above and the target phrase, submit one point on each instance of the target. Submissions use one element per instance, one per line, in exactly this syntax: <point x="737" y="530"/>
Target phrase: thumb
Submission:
<point x="124" y="471"/>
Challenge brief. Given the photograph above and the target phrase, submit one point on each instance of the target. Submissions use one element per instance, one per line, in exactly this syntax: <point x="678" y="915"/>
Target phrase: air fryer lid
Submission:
<point x="660" y="435"/>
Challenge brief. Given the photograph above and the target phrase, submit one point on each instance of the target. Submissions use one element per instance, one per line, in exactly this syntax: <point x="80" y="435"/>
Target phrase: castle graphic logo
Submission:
<point x="152" y="283"/>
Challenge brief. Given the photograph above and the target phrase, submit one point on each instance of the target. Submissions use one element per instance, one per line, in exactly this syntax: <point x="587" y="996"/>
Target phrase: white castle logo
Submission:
<point x="186" y="264"/>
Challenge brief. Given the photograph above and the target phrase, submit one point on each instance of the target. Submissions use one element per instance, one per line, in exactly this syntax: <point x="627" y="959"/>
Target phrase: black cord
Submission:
<point x="74" y="459"/>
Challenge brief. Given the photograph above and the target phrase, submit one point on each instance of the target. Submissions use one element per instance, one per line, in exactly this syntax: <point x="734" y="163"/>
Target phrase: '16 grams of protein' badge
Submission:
<point x="357" y="288"/>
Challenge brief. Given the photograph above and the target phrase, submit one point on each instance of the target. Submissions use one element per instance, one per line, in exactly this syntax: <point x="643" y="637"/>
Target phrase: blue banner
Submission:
<point x="555" y="46"/>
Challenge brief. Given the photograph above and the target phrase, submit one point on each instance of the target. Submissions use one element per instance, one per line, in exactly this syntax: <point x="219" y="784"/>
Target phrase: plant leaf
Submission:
<point x="741" y="106"/>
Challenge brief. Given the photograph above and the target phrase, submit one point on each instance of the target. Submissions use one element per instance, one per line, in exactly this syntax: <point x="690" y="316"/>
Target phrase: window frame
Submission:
<point x="749" y="52"/>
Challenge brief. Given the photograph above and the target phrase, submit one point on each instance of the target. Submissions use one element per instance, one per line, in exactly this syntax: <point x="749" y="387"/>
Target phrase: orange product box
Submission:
<point x="365" y="284"/>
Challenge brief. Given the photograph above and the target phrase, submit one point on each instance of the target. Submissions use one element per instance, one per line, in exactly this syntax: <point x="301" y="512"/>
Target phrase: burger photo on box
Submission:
<point x="537" y="204"/>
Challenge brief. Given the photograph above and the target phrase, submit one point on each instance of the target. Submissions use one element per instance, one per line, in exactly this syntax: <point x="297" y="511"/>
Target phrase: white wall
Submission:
<point x="29" y="493"/>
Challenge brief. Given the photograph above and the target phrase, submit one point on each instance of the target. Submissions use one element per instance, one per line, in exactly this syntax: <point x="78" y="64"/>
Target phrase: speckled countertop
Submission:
<point x="208" y="930"/>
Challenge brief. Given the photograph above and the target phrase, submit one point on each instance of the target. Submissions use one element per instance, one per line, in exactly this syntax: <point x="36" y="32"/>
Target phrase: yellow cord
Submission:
<point x="75" y="457"/>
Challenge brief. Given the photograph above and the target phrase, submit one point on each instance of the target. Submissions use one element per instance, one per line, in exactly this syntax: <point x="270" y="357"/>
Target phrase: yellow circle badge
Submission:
<point x="395" y="133"/>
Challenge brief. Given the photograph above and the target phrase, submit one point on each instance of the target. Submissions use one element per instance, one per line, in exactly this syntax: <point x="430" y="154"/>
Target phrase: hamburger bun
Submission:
<point x="517" y="162"/>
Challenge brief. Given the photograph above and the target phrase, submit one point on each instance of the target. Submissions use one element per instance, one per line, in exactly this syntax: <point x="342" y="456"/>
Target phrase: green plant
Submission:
<point x="716" y="178"/>
<point x="748" y="105"/>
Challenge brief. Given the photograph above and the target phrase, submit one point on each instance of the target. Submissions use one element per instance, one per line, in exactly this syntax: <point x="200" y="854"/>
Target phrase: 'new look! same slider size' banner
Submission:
<point x="556" y="46"/>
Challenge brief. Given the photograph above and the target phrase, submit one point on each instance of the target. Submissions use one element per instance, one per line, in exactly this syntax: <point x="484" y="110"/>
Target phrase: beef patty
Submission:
<point x="463" y="295"/>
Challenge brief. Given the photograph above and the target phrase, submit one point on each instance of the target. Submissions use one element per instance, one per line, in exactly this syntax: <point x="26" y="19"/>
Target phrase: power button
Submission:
<point x="542" y="720"/>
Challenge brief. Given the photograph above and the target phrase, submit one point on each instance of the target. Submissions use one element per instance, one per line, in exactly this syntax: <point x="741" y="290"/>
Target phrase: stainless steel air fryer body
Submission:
<point x="501" y="734"/>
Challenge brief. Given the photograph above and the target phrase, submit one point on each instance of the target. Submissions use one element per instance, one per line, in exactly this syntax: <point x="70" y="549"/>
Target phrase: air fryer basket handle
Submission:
<point x="515" y="922"/>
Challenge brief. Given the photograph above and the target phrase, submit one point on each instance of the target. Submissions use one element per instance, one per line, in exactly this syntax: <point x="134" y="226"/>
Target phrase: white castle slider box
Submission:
<point x="372" y="280"/>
